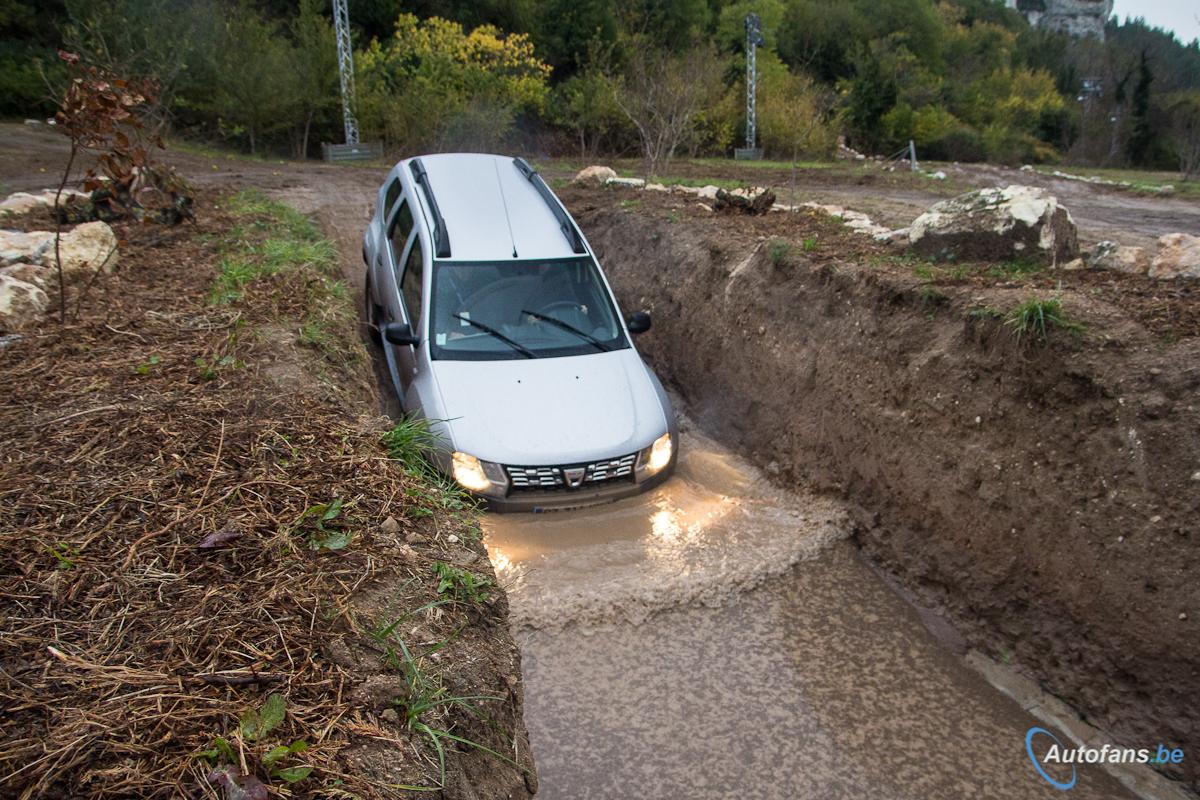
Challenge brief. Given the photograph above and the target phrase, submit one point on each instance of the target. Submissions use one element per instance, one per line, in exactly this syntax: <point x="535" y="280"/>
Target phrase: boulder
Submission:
<point x="32" y="247"/>
<point x="24" y="202"/>
<point x="1178" y="256"/>
<point x="29" y="273"/>
<point x="595" y="175"/>
<point x="21" y="303"/>
<point x="1110" y="255"/>
<point x="631" y="183"/>
<point x="995" y="225"/>
<point x="86" y="248"/>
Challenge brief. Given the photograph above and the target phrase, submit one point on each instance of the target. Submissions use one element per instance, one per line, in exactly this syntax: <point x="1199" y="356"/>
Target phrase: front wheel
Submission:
<point x="371" y="312"/>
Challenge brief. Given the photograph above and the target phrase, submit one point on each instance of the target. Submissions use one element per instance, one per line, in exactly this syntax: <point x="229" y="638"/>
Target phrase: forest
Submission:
<point x="966" y="80"/>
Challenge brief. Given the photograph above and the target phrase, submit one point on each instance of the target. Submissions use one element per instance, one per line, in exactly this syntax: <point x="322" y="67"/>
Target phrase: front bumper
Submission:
<point x="564" y="499"/>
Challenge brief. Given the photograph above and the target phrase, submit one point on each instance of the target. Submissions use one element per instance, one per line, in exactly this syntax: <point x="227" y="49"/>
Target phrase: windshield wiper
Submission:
<point x="493" y="332"/>
<point x="558" y="323"/>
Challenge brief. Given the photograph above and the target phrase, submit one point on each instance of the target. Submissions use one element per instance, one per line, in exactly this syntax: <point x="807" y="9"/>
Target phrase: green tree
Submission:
<point x="1141" y="135"/>
<point x="259" y="101"/>
<point x="315" y="68"/>
<point x="432" y="84"/>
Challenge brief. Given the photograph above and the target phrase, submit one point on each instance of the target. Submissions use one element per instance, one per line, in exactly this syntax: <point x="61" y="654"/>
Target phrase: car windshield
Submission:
<point x="521" y="309"/>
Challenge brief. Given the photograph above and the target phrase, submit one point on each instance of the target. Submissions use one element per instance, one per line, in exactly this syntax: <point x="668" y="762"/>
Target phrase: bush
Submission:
<point x="434" y="84"/>
<point x="961" y="144"/>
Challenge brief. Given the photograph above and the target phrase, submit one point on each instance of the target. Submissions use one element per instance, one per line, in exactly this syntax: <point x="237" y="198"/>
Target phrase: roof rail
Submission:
<point x="441" y="236"/>
<point x="564" y="222"/>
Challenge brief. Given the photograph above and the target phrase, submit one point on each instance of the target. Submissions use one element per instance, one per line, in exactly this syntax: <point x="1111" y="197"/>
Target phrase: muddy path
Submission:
<point x="720" y="638"/>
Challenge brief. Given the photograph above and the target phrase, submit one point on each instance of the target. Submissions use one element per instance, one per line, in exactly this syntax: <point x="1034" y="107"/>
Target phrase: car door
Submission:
<point x="403" y="270"/>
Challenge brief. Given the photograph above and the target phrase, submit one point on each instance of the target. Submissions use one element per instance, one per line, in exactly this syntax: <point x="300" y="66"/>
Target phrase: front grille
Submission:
<point x="549" y="478"/>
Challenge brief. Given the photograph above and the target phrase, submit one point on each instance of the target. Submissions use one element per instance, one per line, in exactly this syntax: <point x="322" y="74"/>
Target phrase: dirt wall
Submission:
<point x="1046" y="497"/>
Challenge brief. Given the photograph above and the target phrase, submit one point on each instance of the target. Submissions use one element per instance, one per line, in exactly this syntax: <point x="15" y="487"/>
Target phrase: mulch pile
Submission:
<point x="159" y="575"/>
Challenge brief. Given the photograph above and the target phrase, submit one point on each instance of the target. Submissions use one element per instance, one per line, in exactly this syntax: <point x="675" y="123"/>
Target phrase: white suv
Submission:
<point x="499" y="327"/>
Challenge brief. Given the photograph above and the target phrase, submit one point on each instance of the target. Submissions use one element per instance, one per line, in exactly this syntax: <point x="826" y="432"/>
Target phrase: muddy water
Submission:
<point x="716" y="638"/>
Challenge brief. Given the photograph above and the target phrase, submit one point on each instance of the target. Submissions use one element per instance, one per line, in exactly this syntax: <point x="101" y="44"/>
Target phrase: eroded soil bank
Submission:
<point x="1045" y="496"/>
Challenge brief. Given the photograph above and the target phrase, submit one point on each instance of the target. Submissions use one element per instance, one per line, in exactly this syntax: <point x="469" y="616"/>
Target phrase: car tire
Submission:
<point x="371" y="311"/>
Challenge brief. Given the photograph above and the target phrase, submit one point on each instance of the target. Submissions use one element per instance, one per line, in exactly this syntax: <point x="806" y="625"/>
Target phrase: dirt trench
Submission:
<point x="1045" y="497"/>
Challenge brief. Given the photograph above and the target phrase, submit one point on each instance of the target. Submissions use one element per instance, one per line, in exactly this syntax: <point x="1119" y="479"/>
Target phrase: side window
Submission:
<point x="410" y="284"/>
<point x="389" y="200"/>
<point x="402" y="225"/>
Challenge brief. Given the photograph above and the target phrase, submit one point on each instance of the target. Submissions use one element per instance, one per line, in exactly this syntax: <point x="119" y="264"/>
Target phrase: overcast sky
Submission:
<point x="1180" y="16"/>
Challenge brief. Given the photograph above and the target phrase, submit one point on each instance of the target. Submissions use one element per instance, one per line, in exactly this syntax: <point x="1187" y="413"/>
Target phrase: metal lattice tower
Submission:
<point x="341" y="25"/>
<point x="754" y="38"/>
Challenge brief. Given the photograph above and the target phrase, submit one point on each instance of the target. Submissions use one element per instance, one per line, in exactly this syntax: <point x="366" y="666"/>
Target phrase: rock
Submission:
<point x="595" y="175"/>
<point x="1178" y="256"/>
<point x="656" y="187"/>
<point x="389" y="526"/>
<point x="745" y="201"/>
<point x="1074" y="264"/>
<point x="630" y="183"/>
<point x="21" y="303"/>
<point x="1110" y="255"/>
<point x="938" y="176"/>
<point x="32" y="247"/>
<point x="29" y="273"/>
<point x="24" y="202"/>
<point x="997" y="224"/>
<point x="897" y="236"/>
<point x="708" y="192"/>
<point x="20" y="203"/>
<point x="86" y="248"/>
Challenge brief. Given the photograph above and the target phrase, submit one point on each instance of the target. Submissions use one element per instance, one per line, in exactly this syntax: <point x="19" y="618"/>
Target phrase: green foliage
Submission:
<point x="256" y="723"/>
<point x="321" y="525"/>
<point x="964" y="79"/>
<point x="1035" y="318"/>
<point x="410" y="441"/>
<point x="778" y="251"/>
<point x="460" y="585"/>
<point x="434" y="85"/>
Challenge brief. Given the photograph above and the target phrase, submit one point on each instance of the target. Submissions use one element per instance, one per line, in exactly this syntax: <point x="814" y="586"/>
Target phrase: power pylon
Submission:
<point x="341" y="27"/>
<point x="754" y="38"/>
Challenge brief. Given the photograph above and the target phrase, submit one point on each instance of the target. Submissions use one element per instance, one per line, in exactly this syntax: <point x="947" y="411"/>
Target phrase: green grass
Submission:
<point x="1036" y="318"/>
<point x="424" y="699"/>
<point x="458" y="585"/>
<point x="1015" y="269"/>
<point x="293" y="242"/>
<point x="809" y="244"/>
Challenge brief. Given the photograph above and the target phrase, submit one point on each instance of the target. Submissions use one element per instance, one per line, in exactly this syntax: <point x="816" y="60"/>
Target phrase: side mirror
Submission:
<point x="638" y="322"/>
<point x="400" y="333"/>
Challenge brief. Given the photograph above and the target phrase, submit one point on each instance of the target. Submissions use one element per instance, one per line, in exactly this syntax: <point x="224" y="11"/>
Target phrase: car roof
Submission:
<point x="491" y="208"/>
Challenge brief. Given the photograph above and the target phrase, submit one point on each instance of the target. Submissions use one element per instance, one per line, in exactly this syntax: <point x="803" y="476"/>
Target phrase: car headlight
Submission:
<point x="658" y="455"/>
<point x="468" y="471"/>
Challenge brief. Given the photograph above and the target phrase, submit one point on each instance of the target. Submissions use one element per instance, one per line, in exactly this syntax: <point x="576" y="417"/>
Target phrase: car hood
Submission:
<point x="543" y="411"/>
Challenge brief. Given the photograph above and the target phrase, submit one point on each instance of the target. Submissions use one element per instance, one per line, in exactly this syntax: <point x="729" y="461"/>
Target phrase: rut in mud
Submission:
<point x="1043" y="496"/>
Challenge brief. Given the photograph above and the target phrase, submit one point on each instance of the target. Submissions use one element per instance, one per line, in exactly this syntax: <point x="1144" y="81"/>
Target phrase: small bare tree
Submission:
<point x="793" y="119"/>
<point x="99" y="113"/>
<point x="661" y="93"/>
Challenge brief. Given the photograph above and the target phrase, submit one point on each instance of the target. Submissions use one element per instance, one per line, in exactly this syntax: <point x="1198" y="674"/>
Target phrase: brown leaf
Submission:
<point x="228" y="533"/>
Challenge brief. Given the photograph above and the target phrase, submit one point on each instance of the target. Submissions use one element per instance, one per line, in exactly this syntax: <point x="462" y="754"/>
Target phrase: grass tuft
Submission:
<point x="1035" y="318"/>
